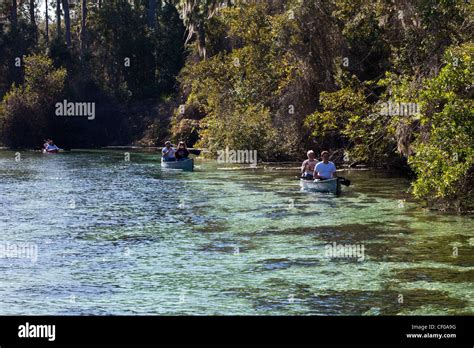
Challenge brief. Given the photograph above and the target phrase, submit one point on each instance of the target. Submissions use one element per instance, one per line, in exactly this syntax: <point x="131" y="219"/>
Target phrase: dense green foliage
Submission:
<point x="237" y="90"/>
<point x="116" y="61"/>
<point x="443" y="156"/>
<point x="274" y="76"/>
<point x="26" y="110"/>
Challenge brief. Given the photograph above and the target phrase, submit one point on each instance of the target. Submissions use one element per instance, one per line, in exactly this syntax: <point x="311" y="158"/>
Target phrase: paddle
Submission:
<point x="195" y="151"/>
<point x="343" y="181"/>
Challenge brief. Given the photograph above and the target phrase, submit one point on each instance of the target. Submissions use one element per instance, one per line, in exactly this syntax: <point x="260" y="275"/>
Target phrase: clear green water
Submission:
<point x="112" y="239"/>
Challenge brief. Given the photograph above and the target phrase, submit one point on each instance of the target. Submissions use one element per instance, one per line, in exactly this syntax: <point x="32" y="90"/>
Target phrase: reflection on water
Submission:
<point x="118" y="237"/>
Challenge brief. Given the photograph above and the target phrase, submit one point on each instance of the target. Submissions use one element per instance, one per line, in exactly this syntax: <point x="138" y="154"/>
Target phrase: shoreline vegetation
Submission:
<point x="380" y="84"/>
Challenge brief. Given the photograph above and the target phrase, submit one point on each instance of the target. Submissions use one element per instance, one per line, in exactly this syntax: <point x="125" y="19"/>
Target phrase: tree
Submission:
<point x="170" y="56"/>
<point x="46" y="21"/>
<point x="245" y="80"/>
<point x="195" y="13"/>
<point x="124" y="61"/>
<point x="14" y="15"/>
<point x="83" y="27"/>
<point x="152" y="14"/>
<point x="67" y="22"/>
<point x="16" y="37"/>
<point x="26" y="110"/>
<point x="32" y="13"/>
<point x="444" y="148"/>
<point x="58" y="18"/>
<point x="348" y="121"/>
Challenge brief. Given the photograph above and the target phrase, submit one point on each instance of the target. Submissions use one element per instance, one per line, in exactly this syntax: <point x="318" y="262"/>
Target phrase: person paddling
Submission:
<point x="49" y="146"/>
<point x="325" y="169"/>
<point x="182" y="152"/>
<point x="168" y="152"/>
<point x="307" y="168"/>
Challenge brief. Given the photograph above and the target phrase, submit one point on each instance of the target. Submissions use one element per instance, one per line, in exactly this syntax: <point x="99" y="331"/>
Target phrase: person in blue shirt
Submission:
<point x="325" y="169"/>
<point x="50" y="146"/>
<point x="168" y="152"/>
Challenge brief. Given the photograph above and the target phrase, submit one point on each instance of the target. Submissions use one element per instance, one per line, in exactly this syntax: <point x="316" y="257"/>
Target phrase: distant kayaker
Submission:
<point x="182" y="151"/>
<point x="168" y="152"/>
<point x="307" y="168"/>
<point x="49" y="146"/>
<point x="325" y="169"/>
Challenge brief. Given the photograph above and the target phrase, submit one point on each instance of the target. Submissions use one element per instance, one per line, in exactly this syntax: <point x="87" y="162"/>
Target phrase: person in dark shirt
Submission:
<point x="182" y="151"/>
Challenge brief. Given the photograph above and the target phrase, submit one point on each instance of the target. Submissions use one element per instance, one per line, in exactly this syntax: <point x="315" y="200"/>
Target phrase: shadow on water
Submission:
<point x="342" y="233"/>
<point x="278" y="297"/>
<point x="284" y="263"/>
<point x="436" y="275"/>
<point x="436" y="249"/>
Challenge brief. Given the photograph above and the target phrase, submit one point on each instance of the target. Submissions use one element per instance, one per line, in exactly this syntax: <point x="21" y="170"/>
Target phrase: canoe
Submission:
<point x="328" y="185"/>
<point x="50" y="151"/>
<point x="186" y="164"/>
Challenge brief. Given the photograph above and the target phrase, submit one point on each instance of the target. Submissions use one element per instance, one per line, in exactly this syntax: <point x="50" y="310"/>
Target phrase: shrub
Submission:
<point x="26" y="110"/>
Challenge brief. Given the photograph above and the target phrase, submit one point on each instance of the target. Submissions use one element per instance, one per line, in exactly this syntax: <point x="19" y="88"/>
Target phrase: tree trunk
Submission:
<point x="15" y="73"/>
<point x="58" y="17"/>
<point x="151" y="13"/>
<point x="83" y="27"/>
<point x="14" y="15"/>
<point x="33" y="19"/>
<point x="67" y="22"/>
<point x="32" y="13"/>
<point x="201" y="33"/>
<point x="46" y="35"/>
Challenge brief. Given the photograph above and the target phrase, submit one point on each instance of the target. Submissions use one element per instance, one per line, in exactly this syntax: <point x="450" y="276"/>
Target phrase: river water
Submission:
<point x="87" y="232"/>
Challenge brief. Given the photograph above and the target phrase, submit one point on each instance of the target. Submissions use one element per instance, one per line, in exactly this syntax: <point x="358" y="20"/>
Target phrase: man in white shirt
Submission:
<point x="325" y="169"/>
<point x="168" y="152"/>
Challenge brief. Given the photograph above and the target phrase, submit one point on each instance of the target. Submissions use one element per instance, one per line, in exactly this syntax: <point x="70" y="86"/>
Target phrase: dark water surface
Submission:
<point x="116" y="237"/>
